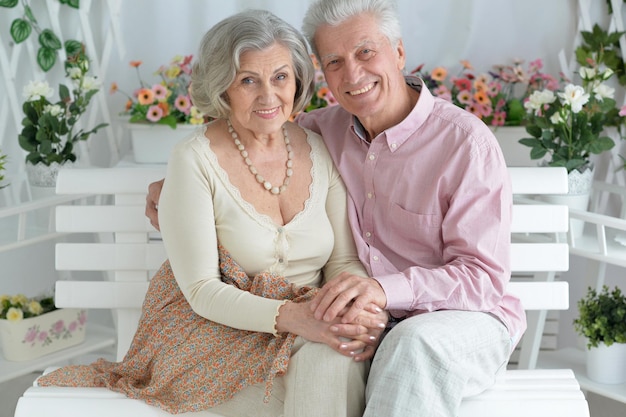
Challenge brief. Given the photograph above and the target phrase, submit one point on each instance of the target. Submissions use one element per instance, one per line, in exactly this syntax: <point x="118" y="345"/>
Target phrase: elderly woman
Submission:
<point x="254" y="188"/>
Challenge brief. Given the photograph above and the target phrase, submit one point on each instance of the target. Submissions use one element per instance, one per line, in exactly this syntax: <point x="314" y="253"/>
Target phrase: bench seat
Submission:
<point x="128" y="260"/>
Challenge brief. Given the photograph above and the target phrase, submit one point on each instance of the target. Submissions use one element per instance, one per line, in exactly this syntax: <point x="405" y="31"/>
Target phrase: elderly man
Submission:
<point x="430" y="211"/>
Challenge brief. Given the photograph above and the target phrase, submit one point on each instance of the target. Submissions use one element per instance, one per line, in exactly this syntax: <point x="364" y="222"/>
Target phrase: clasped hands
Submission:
<point x="347" y="314"/>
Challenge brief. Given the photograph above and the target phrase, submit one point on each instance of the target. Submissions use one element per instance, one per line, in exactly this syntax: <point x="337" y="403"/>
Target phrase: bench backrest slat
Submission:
<point x="132" y="253"/>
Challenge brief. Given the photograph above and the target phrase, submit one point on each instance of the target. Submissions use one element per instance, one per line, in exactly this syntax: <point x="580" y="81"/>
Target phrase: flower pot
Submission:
<point x="515" y="154"/>
<point x="153" y="143"/>
<point x="579" y="190"/>
<point x="45" y="176"/>
<point x="34" y="337"/>
<point x="607" y="364"/>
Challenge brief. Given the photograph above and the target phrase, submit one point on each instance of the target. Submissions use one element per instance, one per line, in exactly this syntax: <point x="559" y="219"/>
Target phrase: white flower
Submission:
<point x="34" y="90"/>
<point x="557" y="119"/>
<point x="74" y="73"/>
<point x="607" y="74"/>
<point x="53" y="109"/>
<point x="91" y="83"/>
<point x="575" y="97"/>
<point x="587" y="73"/>
<point x="15" y="314"/>
<point x="538" y="99"/>
<point x="603" y="91"/>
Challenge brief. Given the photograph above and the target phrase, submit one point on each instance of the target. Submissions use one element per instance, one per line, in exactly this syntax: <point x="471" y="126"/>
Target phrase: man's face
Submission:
<point x="362" y="68"/>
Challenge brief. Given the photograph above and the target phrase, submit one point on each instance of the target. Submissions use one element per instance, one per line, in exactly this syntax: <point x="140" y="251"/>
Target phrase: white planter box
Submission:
<point x="515" y="154"/>
<point x="152" y="144"/>
<point x="34" y="337"/>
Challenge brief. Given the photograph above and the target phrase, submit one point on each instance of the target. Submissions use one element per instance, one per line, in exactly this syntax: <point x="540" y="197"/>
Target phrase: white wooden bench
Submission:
<point x="131" y="256"/>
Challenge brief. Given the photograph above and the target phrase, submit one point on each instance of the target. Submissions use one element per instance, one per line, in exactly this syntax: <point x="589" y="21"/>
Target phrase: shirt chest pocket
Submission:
<point x="421" y="232"/>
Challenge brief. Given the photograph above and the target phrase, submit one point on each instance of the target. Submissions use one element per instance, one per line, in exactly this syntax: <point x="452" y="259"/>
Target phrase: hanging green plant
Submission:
<point x="49" y="42"/>
<point x="3" y="158"/>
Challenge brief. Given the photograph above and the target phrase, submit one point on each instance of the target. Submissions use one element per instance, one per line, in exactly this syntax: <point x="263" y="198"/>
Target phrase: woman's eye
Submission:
<point x="247" y="81"/>
<point x="281" y="77"/>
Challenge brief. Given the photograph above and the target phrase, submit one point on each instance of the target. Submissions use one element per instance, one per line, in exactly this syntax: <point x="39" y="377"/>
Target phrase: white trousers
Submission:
<point x="319" y="383"/>
<point x="428" y="363"/>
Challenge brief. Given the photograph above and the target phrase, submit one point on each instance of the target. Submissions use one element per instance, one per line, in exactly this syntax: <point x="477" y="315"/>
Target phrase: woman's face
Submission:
<point x="261" y="97"/>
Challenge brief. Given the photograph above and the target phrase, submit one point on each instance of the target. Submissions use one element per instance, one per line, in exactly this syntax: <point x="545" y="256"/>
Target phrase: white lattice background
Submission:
<point x="96" y="24"/>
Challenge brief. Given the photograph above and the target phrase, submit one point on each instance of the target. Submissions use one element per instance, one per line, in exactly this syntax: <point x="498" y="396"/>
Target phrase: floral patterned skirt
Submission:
<point x="179" y="361"/>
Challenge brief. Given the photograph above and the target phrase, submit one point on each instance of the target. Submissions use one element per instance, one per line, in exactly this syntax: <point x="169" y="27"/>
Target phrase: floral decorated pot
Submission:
<point x="34" y="337"/>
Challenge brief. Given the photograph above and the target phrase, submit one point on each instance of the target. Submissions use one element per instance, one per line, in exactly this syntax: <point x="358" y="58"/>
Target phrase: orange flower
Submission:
<point x="145" y="96"/>
<point x="466" y="64"/>
<point x="481" y="97"/>
<point x="165" y="107"/>
<point x="113" y="88"/>
<point x="129" y="104"/>
<point x="135" y="64"/>
<point x="322" y="92"/>
<point x="439" y="74"/>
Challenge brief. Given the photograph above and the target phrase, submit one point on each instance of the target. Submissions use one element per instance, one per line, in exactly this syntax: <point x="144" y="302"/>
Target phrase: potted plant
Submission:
<point x="33" y="327"/>
<point x="602" y="321"/>
<point x="165" y="102"/>
<point x="50" y="130"/>
<point x="567" y="127"/>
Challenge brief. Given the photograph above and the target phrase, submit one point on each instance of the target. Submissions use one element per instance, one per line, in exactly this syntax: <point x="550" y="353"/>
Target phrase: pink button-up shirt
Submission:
<point x="430" y="208"/>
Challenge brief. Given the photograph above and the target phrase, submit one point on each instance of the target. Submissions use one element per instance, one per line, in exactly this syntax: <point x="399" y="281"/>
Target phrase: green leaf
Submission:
<point x="73" y="3"/>
<point x="537" y="153"/>
<point x="48" y="39"/>
<point x="64" y="92"/>
<point x="20" y="30"/>
<point x="46" y="58"/>
<point x="8" y="3"/>
<point x="73" y="47"/>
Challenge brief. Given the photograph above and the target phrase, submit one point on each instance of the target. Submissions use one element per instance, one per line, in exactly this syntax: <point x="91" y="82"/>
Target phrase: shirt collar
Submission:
<point x="396" y="135"/>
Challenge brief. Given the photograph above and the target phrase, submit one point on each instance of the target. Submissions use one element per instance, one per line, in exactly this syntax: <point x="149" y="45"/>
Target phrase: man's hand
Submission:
<point x="152" y="202"/>
<point x="350" y="291"/>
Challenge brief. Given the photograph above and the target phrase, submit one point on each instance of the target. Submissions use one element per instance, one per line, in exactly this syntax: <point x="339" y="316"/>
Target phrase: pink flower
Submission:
<point x="160" y="92"/>
<point x="31" y="335"/>
<point x="154" y="113"/>
<point x="58" y="326"/>
<point x="72" y="327"/>
<point x="82" y="318"/>
<point x="183" y="104"/>
<point x="498" y="118"/>
<point x="622" y="111"/>
<point x="43" y="336"/>
<point x="464" y="97"/>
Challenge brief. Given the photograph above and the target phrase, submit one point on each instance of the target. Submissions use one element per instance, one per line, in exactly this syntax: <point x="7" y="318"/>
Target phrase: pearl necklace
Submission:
<point x="266" y="184"/>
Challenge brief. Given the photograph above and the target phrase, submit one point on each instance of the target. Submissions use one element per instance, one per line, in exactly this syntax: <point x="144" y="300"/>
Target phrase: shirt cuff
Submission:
<point x="399" y="293"/>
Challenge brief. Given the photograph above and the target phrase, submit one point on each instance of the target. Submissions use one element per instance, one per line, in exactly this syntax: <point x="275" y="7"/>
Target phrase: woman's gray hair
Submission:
<point x="218" y="59"/>
<point x="335" y="12"/>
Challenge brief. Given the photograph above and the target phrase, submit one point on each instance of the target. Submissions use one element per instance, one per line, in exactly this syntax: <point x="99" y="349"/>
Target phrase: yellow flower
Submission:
<point x="4" y="297"/>
<point x="35" y="308"/>
<point x="19" y="299"/>
<point x="15" y="314"/>
<point x="172" y="71"/>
